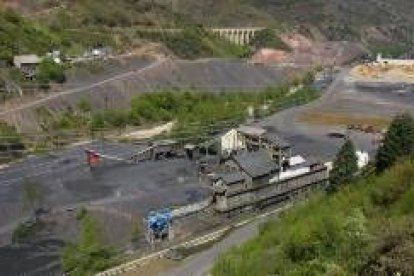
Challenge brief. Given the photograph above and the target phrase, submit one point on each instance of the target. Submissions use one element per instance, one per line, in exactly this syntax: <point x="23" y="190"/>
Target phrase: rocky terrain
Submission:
<point x="117" y="90"/>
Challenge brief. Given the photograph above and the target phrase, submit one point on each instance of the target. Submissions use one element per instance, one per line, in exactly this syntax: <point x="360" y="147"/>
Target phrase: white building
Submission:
<point x="363" y="159"/>
<point x="396" y="62"/>
<point x="231" y="141"/>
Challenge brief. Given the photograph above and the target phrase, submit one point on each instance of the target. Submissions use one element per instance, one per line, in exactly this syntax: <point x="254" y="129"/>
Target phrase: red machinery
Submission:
<point x="92" y="158"/>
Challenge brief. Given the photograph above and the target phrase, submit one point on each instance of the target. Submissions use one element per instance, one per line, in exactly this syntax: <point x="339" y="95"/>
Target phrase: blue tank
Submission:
<point x="159" y="221"/>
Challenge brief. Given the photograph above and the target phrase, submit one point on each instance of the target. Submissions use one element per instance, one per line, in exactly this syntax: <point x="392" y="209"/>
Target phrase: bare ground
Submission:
<point x="116" y="91"/>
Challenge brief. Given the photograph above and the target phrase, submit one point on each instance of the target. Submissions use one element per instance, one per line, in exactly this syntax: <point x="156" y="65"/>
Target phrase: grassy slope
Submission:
<point x="20" y="36"/>
<point x="374" y="25"/>
<point x="335" y="19"/>
<point x="74" y="26"/>
<point x="195" y="111"/>
<point x="365" y="229"/>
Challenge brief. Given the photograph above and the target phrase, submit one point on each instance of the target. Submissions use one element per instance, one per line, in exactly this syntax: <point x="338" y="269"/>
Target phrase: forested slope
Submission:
<point x="365" y="229"/>
<point x="79" y="23"/>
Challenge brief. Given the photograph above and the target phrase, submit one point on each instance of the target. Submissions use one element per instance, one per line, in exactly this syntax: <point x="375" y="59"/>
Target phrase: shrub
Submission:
<point x="81" y="213"/>
<point x="26" y="231"/>
<point x="345" y="166"/>
<point x="398" y="142"/>
<point x="364" y="229"/>
<point x="267" y="38"/>
<point x="84" y="106"/>
<point x="48" y="71"/>
<point x="88" y="256"/>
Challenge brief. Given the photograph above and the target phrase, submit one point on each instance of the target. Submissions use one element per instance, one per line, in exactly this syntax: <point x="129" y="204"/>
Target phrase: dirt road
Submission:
<point x="343" y="98"/>
<point x="81" y="89"/>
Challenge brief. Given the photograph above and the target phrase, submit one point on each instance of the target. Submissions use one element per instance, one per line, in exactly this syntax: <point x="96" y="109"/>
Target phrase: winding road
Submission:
<point x="82" y="89"/>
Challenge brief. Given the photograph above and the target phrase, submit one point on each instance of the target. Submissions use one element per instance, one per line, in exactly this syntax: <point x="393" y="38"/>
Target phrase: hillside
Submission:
<point x="21" y="35"/>
<point x="169" y="75"/>
<point x="376" y="23"/>
<point x="365" y="229"/>
<point x="74" y="25"/>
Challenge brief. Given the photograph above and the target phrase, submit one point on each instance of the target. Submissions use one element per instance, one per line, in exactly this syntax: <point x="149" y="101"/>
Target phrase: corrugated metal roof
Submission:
<point x="26" y="59"/>
<point x="231" y="178"/>
<point x="252" y="130"/>
<point x="276" y="139"/>
<point x="256" y="163"/>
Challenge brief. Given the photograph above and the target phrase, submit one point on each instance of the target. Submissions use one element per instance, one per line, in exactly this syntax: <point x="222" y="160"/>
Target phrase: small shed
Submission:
<point x="27" y="64"/>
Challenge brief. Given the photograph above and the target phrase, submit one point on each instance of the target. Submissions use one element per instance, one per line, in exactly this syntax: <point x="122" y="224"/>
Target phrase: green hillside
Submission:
<point x="80" y="25"/>
<point x="365" y="229"/>
<point x="76" y="25"/>
<point x="20" y="35"/>
<point x="375" y="22"/>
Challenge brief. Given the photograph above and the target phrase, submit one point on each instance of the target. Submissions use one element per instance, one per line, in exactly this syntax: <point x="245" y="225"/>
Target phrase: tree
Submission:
<point x="89" y="256"/>
<point x="267" y="38"/>
<point x="345" y="166"/>
<point x="49" y="70"/>
<point x="8" y="134"/>
<point x="84" y="106"/>
<point x="97" y="121"/>
<point x="398" y="142"/>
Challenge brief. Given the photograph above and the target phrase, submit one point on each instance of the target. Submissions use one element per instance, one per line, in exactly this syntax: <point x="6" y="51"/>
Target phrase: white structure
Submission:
<point x="297" y="167"/>
<point x="396" y="62"/>
<point x="55" y="55"/>
<point x="27" y="64"/>
<point x="296" y="160"/>
<point x="363" y="159"/>
<point x="20" y="61"/>
<point x="239" y="36"/>
<point x="231" y="141"/>
<point x="329" y="165"/>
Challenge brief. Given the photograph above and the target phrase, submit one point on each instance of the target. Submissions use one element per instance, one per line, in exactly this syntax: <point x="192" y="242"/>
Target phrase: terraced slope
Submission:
<point x="117" y="91"/>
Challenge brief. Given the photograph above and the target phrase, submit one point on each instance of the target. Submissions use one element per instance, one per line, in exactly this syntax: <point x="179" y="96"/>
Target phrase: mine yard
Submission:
<point x="189" y="187"/>
<point x="206" y="138"/>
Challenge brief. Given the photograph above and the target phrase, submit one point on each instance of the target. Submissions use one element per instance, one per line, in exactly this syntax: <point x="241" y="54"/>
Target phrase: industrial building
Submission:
<point x="261" y="171"/>
<point x="27" y="64"/>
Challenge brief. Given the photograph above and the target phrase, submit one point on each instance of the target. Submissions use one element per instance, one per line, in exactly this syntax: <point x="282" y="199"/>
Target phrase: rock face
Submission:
<point x="267" y="55"/>
<point x="307" y="52"/>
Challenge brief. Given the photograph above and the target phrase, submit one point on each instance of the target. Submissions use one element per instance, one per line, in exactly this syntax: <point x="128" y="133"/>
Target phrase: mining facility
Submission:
<point x="258" y="169"/>
<point x="246" y="168"/>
